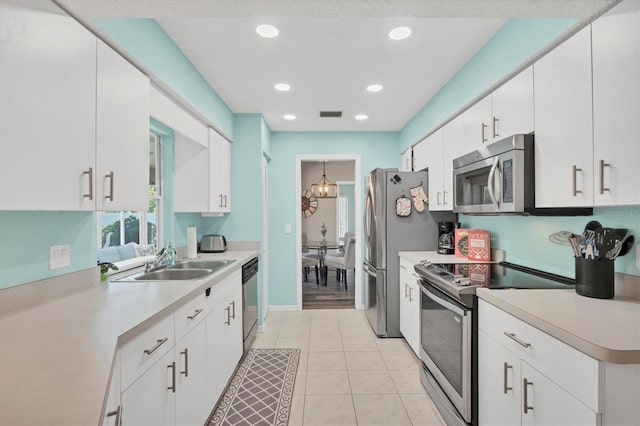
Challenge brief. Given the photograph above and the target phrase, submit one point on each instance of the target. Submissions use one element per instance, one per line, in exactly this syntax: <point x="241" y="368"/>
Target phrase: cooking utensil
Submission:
<point x="626" y="245"/>
<point x="575" y="245"/>
<point x="561" y="237"/>
<point x="592" y="225"/>
<point x="615" y="251"/>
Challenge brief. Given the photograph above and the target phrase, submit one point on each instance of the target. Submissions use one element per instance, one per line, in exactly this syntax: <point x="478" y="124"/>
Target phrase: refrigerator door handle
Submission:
<point x="367" y="217"/>
<point x="369" y="270"/>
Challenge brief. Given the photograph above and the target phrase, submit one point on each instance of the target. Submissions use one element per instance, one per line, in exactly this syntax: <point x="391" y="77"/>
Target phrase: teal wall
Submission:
<point x="376" y="150"/>
<point x="147" y="43"/>
<point x="512" y="45"/>
<point x="25" y="238"/>
<point x="526" y="239"/>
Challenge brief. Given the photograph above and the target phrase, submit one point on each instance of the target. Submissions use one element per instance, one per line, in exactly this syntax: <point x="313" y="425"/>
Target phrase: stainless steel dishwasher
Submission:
<point x="249" y="302"/>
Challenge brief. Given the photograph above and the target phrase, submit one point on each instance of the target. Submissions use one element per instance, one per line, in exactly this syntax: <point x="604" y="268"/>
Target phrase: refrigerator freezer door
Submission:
<point x="375" y="298"/>
<point x="373" y="217"/>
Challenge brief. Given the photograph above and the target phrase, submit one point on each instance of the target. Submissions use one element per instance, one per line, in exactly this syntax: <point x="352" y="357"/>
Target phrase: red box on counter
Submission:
<point x="479" y="245"/>
<point x="461" y="242"/>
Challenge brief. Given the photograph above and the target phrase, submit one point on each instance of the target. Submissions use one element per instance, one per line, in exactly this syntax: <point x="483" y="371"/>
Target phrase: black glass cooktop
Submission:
<point x="493" y="275"/>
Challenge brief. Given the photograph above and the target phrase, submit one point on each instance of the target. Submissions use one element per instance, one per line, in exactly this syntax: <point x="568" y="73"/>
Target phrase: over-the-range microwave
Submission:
<point x="500" y="179"/>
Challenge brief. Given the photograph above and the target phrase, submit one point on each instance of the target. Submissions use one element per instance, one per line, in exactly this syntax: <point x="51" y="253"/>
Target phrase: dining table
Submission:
<point x="322" y="247"/>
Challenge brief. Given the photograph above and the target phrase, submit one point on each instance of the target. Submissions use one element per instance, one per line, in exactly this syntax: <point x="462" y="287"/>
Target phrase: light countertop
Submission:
<point x="605" y="329"/>
<point x="57" y="357"/>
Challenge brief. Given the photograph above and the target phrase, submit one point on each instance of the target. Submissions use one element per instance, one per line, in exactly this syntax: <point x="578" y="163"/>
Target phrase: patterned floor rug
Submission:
<point x="261" y="390"/>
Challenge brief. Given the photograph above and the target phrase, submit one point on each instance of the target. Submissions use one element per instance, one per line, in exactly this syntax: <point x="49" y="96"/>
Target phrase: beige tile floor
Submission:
<point x="348" y="376"/>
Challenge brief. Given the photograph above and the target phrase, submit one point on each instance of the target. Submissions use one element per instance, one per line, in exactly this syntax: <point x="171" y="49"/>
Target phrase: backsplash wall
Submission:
<point x="526" y="238"/>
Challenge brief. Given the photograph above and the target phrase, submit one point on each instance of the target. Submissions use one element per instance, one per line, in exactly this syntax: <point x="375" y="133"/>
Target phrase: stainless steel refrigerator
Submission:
<point x="386" y="234"/>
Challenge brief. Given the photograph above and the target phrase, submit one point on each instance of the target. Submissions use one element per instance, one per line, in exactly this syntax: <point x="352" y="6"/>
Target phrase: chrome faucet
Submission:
<point x="163" y="260"/>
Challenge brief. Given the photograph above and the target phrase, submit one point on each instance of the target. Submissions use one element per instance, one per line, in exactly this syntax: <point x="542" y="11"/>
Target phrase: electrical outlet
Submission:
<point x="287" y="228"/>
<point x="59" y="256"/>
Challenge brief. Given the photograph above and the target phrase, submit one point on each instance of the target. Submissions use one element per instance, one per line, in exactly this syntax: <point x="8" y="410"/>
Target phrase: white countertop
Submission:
<point x="56" y="358"/>
<point x="605" y="329"/>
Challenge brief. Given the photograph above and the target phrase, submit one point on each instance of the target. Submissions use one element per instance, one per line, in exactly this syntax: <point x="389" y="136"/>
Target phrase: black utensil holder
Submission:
<point x="594" y="278"/>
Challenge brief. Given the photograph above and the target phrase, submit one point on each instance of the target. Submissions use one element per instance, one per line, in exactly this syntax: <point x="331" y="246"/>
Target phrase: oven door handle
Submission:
<point x="443" y="303"/>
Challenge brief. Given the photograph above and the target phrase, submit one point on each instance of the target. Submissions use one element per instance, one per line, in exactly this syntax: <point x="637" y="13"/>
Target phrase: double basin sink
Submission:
<point x="187" y="270"/>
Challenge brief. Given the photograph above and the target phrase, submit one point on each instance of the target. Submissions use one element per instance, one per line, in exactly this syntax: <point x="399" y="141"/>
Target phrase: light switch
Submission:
<point x="287" y="228"/>
<point x="59" y="256"/>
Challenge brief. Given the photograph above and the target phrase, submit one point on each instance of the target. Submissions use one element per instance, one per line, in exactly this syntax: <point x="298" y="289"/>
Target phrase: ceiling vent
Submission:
<point x="325" y="114"/>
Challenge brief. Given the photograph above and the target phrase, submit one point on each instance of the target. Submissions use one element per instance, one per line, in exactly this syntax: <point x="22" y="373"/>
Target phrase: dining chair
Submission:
<point x="307" y="263"/>
<point x="342" y="264"/>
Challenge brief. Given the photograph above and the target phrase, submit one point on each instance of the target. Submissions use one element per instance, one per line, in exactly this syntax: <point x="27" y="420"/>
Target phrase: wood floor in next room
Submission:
<point x="347" y="375"/>
<point x="331" y="296"/>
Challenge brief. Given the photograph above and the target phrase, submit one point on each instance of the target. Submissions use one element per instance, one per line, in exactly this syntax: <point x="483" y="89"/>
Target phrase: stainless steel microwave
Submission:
<point x="497" y="179"/>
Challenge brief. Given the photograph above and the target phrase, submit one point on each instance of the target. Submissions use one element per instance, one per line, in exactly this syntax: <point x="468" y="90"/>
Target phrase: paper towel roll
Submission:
<point x="192" y="242"/>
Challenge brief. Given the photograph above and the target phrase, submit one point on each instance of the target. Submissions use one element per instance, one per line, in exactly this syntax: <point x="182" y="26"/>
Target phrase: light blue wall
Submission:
<point x="526" y="239"/>
<point x="515" y="42"/>
<point x="150" y="46"/>
<point x="376" y="150"/>
<point x="25" y="238"/>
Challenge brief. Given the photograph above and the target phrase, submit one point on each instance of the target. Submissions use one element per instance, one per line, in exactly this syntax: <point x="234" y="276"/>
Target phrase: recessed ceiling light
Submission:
<point x="361" y="117"/>
<point x="374" y="87"/>
<point x="399" y="33"/>
<point x="289" y="117"/>
<point x="267" y="31"/>
<point x="282" y="87"/>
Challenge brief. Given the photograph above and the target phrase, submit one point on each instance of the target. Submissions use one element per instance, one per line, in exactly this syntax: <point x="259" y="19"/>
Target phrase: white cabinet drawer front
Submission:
<point x="190" y="314"/>
<point x="571" y="369"/>
<point x="138" y="355"/>
<point x="222" y="289"/>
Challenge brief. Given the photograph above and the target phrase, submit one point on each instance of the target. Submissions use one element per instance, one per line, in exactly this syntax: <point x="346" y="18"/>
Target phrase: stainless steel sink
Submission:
<point x="168" y="275"/>
<point x="202" y="264"/>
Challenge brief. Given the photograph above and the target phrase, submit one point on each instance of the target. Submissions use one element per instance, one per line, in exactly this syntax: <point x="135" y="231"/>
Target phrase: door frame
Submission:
<point x="356" y="158"/>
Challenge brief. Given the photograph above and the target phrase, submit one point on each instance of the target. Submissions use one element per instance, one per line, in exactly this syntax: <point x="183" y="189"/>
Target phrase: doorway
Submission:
<point x="343" y="169"/>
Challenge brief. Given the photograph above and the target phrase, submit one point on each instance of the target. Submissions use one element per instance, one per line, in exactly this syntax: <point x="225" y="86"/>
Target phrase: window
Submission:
<point x="120" y="228"/>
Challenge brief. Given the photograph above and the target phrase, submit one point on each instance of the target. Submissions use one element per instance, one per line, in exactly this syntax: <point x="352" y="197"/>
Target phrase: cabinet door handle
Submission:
<point x="406" y="294"/>
<point x="221" y="201"/>
<point x="228" y="321"/>
<point x="186" y="362"/>
<point x="159" y="343"/>
<point x="525" y="392"/>
<point x="444" y="197"/>
<point x="495" y="127"/>
<point x="233" y="310"/>
<point x="116" y="413"/>
<point x="484" y="126"/>
<point x="506" y="387"/>
<point x="410" y="298"/>
<point x="90" y="194"/>
<point x="575" y="179"/>
<point x="195" y="314"/>
<point x="172" y="366"/>
<point x="602" y="166"/>
<point x="225" y="201"/>
<point x="513" y="337"/>
<point x="110" y="177"/>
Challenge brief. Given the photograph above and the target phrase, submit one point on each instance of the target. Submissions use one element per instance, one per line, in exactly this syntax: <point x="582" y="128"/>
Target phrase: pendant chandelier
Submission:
<point x="324" y="188"/>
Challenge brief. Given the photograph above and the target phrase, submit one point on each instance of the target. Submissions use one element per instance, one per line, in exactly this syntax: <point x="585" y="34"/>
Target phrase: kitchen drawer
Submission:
<point x="139" y="354"/>
<point x="222" y="289"/>
<point x="190" y="314"/>
<point x="547" y="354"/>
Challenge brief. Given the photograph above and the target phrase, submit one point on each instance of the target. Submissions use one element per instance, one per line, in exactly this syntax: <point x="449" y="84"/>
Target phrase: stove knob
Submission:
<point x="457" y="278"/>
<point x="465" y="282"/>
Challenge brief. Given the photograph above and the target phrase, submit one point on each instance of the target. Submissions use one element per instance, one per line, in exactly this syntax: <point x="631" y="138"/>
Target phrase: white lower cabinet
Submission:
<point x="409" y="306"/>
<point x="150" y="400"/>
<point x="190" y="354"/>
<point x="528" y="377"/>
<point x="224" y="343"/>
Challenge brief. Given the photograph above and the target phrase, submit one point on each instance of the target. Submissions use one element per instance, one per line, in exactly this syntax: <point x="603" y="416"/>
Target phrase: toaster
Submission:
<point x="213" y="244"/>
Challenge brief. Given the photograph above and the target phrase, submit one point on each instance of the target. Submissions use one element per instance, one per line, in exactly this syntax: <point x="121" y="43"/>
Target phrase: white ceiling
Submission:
<point x="330" y="50"/>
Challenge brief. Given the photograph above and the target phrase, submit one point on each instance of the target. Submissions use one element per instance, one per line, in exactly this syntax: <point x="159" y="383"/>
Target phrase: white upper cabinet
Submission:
<point x="407" y="160"/>
<point x="452" y="148"/>
<point x="122" y="153"/>
<point x="220" y="173"/>
<point x="191" y="175"/>
<point x="563" y="124"/>
<point x="616" y="112"/>
<point x="512" y="107"/>
<point x="477" y="125"/>
<point x="421" y="155"/>
<point x="428" y="154"/>
<point x="47" y="109"/>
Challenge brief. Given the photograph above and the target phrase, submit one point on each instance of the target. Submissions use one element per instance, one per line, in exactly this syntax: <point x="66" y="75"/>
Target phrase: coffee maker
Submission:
<point x="446" y="242"/>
